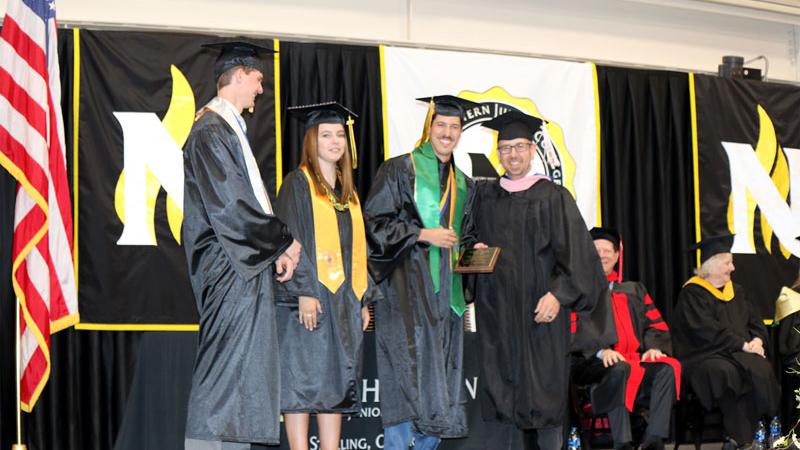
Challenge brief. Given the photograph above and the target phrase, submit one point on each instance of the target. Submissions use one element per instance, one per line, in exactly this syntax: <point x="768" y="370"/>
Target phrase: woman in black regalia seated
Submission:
<point x="720" y="339"/>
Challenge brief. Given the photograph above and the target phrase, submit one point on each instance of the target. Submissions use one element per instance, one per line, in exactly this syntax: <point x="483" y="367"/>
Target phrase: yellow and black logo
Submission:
<point x="553" y="159"/>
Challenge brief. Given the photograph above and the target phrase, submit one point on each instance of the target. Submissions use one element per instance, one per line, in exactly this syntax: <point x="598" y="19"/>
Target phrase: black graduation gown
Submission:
<point x="320" y="369"/>
<point x="230" y="246"/>
<point x="708" y="335"/>
<point x="789" y="339"/>
<point x="649" y="328"/>
<point x="419" y="339"/>
<point x="545" y="248"/>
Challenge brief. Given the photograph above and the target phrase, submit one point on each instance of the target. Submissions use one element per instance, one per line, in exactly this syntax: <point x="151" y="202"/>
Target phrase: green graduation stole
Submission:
<point x="429" y="204"/>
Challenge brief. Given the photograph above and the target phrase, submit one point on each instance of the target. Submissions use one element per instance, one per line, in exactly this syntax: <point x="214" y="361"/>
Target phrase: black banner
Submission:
<point x="138" y="95"/>
<point x="748" y="163"/>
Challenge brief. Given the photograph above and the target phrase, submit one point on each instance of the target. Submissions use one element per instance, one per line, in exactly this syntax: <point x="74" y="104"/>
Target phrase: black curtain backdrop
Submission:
<point x="316" y="73"/>
<point x="646" y="179"/>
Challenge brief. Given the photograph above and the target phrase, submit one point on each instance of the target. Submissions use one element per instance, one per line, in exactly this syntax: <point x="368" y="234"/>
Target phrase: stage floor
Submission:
<point x="706" y="446"/>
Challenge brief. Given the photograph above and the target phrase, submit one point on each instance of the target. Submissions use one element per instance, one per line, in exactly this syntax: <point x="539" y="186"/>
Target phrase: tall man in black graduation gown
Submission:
<point x="234" y="247"/>
<point x="413" y="220"/>
<point x="637" y="369"/>
<point x="721" y="340"/>
<point x="548" y="266"/>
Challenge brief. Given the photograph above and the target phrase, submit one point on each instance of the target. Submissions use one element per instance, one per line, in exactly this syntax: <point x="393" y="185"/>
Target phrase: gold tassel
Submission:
<point x="428" y="119"/>
<point x="352" y="134"/>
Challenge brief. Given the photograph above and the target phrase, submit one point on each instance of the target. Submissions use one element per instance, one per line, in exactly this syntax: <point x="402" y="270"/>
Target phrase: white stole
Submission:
<point x="228" y="112"/>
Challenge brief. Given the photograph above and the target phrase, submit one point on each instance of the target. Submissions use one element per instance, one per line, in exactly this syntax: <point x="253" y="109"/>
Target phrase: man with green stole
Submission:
<point x="413" y="220"/>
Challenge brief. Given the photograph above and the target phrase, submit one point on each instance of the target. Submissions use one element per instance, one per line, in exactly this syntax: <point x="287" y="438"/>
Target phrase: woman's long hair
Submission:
<point x="344" y="167"/>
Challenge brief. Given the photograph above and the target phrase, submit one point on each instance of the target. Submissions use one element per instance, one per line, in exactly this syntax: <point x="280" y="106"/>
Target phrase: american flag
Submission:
<point x="32" y="150"/>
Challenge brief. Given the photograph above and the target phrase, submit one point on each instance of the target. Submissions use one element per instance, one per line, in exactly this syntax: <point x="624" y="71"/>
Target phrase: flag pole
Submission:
<point x="19" y="445"/>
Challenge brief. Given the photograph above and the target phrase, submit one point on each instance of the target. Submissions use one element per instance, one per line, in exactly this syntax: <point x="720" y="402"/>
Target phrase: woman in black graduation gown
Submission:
<point x="720" y="340"/>
<point x="321" y="322"/>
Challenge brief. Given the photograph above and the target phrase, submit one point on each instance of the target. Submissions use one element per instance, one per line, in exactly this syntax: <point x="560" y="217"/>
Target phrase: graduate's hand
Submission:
<point x="480" y="245"/>
<point x="611" y="357"/>
<point x="364" y="318"/>
<point x="284" y="268"/>
<point x="295" y="251"/>
<point x="751" y="347"/>
<point x="307" y="312"/>
<point x="756" y="346"/>
<point x="439" y="237"/>
<point x="652" y="355"/>
<point x="547" y="309"/>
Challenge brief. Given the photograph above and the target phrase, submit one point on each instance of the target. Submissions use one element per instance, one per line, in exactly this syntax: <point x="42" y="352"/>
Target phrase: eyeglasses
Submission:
<point x="520" y="148"/>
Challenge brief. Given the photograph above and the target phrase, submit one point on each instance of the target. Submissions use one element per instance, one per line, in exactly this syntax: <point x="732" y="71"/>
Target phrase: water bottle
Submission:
<point x="774" y="431"/>
<point x="760" y="440"/>
<point x="574" y="441"/>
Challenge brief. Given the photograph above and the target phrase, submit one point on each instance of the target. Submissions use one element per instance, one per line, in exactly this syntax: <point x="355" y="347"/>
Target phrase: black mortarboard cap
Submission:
<point x="329" y="112"/>
<point x="449" y="105"/>
<point x="238" y="53"/>
<point x="445" y="105"/>
<point x="318" y="113"/>
<point x="713" y="245"/>
<point x="608" y="234"/>
<point x="513" y="125"/>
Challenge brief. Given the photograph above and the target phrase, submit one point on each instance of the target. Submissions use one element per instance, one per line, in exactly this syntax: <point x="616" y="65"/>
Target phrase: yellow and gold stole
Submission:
<point x="725" y="295"/>
<point x="787" y="304"/>
<point x="330" y="269"/>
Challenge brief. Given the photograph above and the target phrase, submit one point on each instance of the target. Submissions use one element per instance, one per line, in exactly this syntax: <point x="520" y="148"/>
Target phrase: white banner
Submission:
<point x="562" y="93"/>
